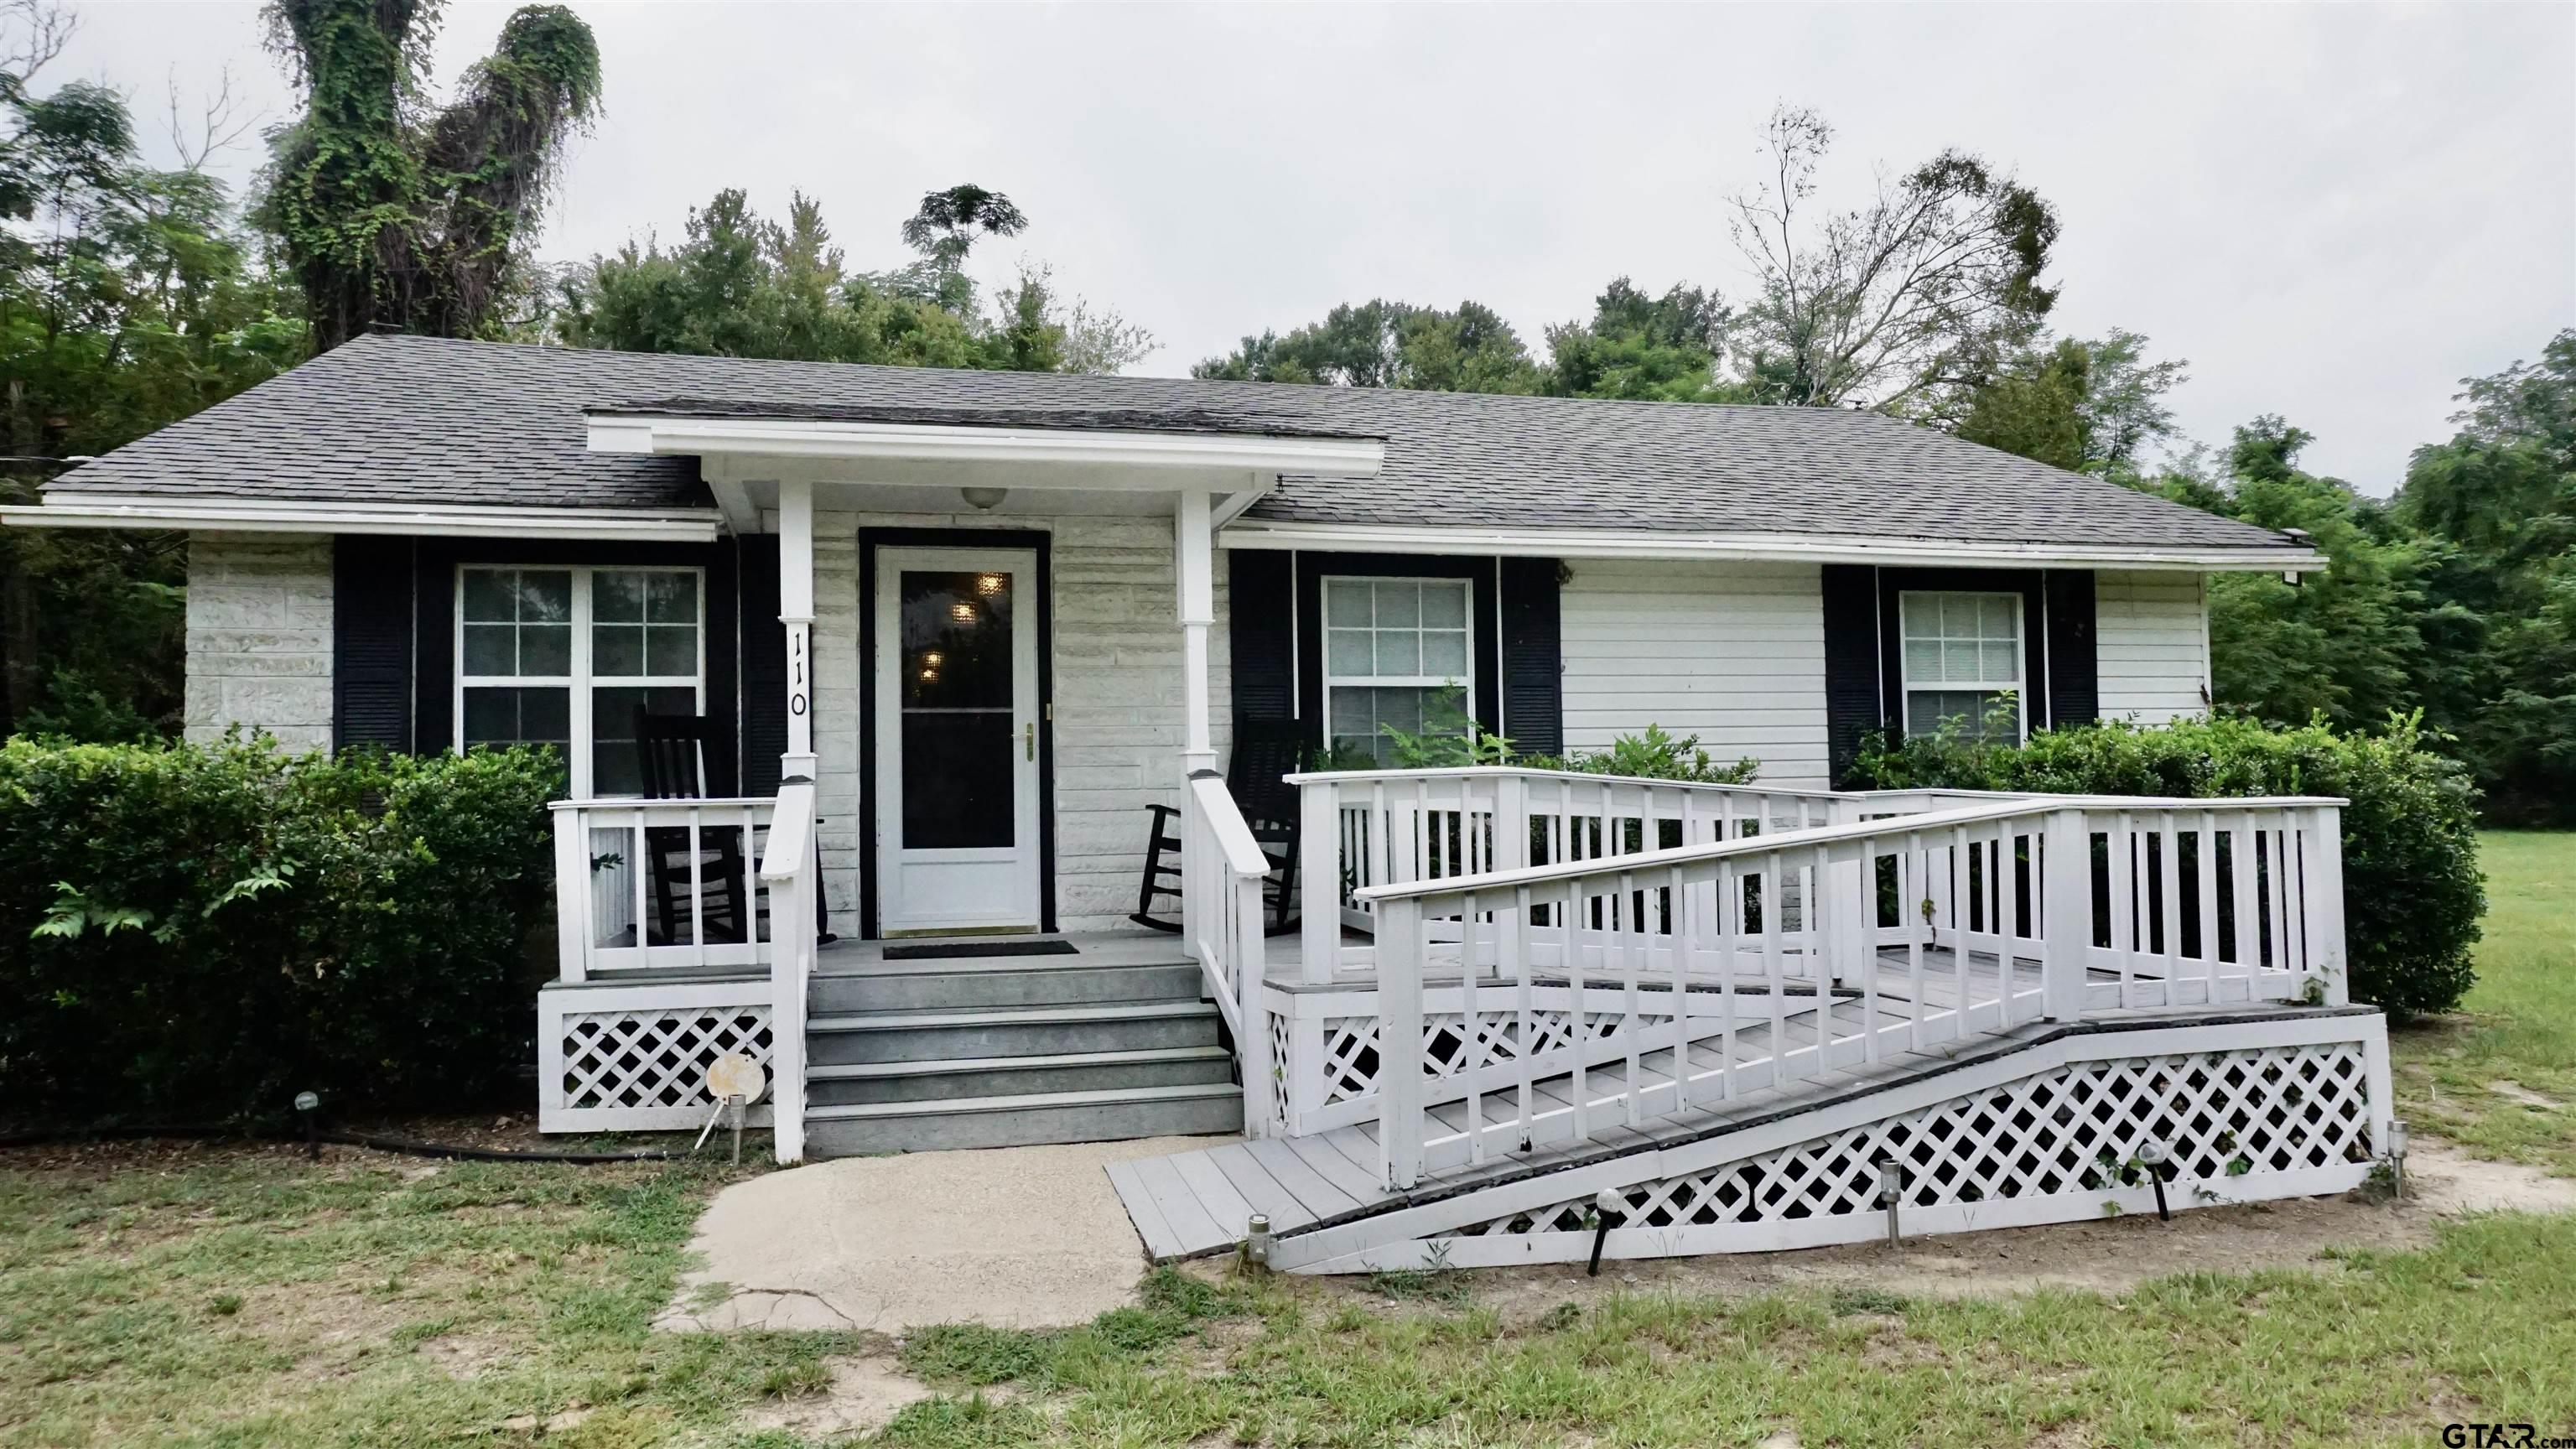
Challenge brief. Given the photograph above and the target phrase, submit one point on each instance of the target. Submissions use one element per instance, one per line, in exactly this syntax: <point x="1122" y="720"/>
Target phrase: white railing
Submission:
<point x="1222" y="868"/>
<point x="788" y="871"/>
<point x="1838" y="944"/>
<point x="642" y="884"/>
<point x="1360" y="829"/>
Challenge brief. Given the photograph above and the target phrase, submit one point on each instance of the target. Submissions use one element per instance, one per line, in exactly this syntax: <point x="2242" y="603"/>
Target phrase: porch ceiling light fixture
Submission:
<point x="984" y="500"/>
<point x="962" y="611"/>
<point x="990" y="584"/>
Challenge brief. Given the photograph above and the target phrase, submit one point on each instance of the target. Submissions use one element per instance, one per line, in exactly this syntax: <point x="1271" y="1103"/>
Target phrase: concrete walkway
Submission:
<point x="1015" y="1237"/>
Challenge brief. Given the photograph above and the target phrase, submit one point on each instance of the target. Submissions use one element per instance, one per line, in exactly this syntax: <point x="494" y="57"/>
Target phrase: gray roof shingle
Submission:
<point x="426" y="421"/>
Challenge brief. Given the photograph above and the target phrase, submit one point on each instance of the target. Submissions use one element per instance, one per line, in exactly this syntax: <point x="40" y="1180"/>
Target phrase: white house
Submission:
<point x="943" y="638"/>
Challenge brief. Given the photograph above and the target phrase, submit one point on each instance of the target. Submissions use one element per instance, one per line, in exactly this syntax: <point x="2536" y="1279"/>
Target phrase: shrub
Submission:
<point x="1451" y="738"/>
<point x="189" y="932"/>
<point x="2412" y="891"/>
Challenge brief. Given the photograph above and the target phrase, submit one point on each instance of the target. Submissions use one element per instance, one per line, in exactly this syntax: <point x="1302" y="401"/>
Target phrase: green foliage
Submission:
<point x="1649" y="349"/>
<point x="740" y="285"/>
<point x="2082" y="406"/>
<point x="1654" y="755"/>
<point x="2412" y="891"/>
<point x="392" y="212"/>
<point x="188" y="932"/>
<point x="1388" y="344"/>
<point x="127" y="301"/>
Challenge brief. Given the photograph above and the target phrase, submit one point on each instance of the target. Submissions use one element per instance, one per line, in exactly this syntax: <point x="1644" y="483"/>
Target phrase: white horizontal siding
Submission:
<point x="1731" y="652"/>
<point x="2151" y="645"/>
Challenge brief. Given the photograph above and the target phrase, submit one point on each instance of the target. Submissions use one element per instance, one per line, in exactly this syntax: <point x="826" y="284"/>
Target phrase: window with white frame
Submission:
<point x="1392" y="647"/>
<point x="565" y="657"/>
<point x="1962" y="657"/>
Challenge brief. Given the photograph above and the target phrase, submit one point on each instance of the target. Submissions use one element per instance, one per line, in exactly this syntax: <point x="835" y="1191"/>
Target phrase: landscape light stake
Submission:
<point x="308" y="1105"/>
<point x="1256" y="1240"/>
<point x="1604" y="1203"/>
<point x="1891" y="1188"/>
<point x="2397" y="1158"/>
<point x="2152" y="1156"/>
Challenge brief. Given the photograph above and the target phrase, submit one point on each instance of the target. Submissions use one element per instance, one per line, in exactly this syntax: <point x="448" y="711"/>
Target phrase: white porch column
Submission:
<point x="796" y="615"/>
<point x="1194" y="547"/>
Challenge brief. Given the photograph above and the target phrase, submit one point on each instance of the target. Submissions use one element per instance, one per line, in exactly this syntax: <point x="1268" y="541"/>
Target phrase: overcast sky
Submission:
<point x="2334" y="212"/>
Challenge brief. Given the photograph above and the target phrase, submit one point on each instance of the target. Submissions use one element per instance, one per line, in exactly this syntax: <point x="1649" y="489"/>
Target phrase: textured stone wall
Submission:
<point x="259" y="636"/>
<point x="1117" y="699"/>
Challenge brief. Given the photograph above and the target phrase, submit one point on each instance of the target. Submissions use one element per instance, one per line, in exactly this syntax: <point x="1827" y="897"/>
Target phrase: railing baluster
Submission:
<point x="1525" y="1049"/>
<point x="2205" y="904"/>
<point x="1727" y="886"/>
<point x="1774" y="969"/>
<point x="1471" y="1044"/>
<point x="1683" y="912"/>
<point x="1965" y="979"/>
<point x="1577" y="1036"/>
<point x="1631" y="936"/>
<point x="1909" y="875"/>
<point x="2124" y="903"/>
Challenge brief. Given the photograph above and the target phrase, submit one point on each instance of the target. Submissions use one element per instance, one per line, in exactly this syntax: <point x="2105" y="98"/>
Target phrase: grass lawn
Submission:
<point x="205" y="1296"/>
<point x="2518" y="1027"/>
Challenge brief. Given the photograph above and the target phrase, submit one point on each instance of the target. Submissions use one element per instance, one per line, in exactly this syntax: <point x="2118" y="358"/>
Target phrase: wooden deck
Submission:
<point x="1195" y="1203"/>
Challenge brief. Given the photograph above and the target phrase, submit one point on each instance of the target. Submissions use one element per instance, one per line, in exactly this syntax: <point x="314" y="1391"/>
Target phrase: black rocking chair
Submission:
<point x="671" y="750"/>
<point x="1266" y="752"/>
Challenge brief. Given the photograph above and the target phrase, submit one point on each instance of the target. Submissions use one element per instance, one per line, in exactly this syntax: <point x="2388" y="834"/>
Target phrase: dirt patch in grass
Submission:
<point x="862" y="1395"/>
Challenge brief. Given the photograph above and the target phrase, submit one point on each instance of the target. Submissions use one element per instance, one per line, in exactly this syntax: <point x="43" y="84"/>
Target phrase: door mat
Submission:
<point x="953" y="950"/>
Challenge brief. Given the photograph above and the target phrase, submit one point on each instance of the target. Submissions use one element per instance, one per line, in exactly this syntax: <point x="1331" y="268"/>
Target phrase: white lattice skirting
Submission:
<point x="632" y="1057"/>
<point x="2238" y="1124"/>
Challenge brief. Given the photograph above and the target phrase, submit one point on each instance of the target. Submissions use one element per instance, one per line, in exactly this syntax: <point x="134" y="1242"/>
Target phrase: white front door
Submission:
<point x="957" y="796"/>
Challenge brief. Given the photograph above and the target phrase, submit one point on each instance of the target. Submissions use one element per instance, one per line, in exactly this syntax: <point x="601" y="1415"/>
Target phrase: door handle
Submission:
<point x="1032" y="741"/>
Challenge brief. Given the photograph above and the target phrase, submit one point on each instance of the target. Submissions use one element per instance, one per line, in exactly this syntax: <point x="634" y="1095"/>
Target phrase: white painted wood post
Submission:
<point x="572" y="895"/>
<point x="1192" y="577"/>
<point x="1319" y="881"/>
<point x="2324" y="887"/>
<point x="796" y="616"/>
<point x="1252" y="1018"/>
<point x="1399" y="1041"/>
<point x="2066" y="904"/>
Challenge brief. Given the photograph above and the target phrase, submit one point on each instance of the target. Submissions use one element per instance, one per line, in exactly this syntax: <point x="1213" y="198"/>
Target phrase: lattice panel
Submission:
<point x="1350" y="1043"/>
<point x="2075" y="1130"/>
<point x="1282" y="1032"/>
<point x="655" y="1058"/>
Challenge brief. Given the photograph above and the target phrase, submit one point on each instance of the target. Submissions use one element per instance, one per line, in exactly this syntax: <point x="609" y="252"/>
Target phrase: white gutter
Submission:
<point x="102" y="510"/>
<point x="1755" y="547"/>
<point x="634" y="433"/>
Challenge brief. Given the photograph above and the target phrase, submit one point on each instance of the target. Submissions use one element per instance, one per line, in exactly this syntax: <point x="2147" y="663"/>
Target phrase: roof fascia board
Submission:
<point x="795" y="438"/>
<point x="1751" y="547"/>
<point x="92" y="510"/>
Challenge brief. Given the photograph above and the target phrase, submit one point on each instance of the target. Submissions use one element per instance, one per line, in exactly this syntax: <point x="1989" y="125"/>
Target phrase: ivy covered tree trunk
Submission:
<point x="397" y="215"/>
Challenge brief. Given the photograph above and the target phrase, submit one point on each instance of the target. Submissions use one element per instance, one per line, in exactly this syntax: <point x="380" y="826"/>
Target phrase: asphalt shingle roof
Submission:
<point x="413" y="420"/>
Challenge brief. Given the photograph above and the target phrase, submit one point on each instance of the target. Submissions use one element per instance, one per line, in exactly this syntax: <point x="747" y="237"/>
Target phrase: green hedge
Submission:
<point x="193" y="932"/>
<point x="2412" y="891"/>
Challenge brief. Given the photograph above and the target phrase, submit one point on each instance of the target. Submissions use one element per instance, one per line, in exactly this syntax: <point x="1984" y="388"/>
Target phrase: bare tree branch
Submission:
<point x="32" y="33"/>
<point x="219" y="126"/>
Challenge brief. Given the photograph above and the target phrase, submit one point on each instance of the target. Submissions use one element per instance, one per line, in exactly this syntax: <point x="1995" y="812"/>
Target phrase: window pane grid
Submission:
<point x="1961" y="655"/>
<point x="563" y="656"/>
<point x="1390" y="647"/>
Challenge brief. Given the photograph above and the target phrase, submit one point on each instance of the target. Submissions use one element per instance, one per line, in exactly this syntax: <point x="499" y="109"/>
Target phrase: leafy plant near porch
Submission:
<point x="1451" y="738"/>
<point x="2412" y="890"/>
<point x="189" y="931"/>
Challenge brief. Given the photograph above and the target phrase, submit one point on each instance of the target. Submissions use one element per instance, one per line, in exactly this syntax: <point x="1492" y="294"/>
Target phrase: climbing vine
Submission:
<point x="393" y="210"/>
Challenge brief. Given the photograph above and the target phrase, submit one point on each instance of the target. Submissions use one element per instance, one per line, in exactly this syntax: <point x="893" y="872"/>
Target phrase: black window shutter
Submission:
<point x="764" y="667"/>
<point x="1853" y="705"/>
<point x="371" y="641"/>
<point x="2074" y="671"/>
<point x="1260" y="634"/>
<point x="1533" y="657"/>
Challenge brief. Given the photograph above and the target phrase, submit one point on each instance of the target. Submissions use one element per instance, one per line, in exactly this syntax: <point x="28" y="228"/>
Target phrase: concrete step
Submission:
<point x="934" y="1036"/>
<point x="862" y="1083"/>
<point x="942" y="986"/>
<point x="1019" y="1121"/>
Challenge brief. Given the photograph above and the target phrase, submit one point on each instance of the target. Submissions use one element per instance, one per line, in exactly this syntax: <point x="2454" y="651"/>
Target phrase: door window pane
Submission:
<point x="960" y="755"/>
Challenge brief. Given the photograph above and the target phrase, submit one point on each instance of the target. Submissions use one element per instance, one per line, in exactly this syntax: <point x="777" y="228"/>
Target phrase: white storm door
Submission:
<point x="957" y="797"/>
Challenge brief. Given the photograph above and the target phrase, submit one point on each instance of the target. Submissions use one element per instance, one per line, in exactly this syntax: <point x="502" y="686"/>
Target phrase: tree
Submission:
<point x="2342" y="643"/>
<point x="1900" y="304"/>
<point x="2086" y="406"/>
<point x="128" y="300"/>
<point x="944" y="229"/>
<point x="2493" y="511"/>
<point x="393" y="213"/>
<point x="739" y="285"/>
<point x="1659" y="349"/>
<point x="1381" y="343"/>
